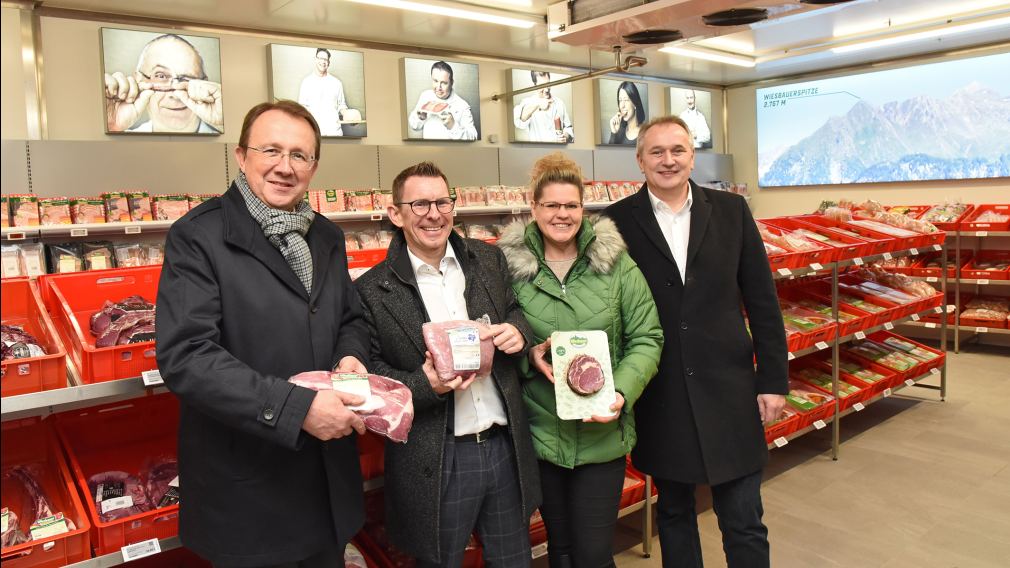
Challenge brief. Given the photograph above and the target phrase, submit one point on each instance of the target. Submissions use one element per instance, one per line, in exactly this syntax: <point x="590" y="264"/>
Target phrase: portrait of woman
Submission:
<point x="622" y="106"/>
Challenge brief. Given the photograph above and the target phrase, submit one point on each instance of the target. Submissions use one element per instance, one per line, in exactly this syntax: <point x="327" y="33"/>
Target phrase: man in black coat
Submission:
<point x="468" y="462"/>
<point x="700" y="419"/>
<point x="255" y="289"/>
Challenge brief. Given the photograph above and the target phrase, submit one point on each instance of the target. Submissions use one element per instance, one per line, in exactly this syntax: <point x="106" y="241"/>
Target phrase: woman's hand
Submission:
<point x="538" y="358"/>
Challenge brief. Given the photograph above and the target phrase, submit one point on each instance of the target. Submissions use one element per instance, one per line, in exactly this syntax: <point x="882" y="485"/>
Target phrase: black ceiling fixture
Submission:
<point x="653" y="36"/>
<point x="736" y="17"/>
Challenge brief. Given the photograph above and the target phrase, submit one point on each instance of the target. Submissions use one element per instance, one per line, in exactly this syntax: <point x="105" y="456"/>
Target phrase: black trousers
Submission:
<point x="737" y="505"/>
<point x="580" y="512"/>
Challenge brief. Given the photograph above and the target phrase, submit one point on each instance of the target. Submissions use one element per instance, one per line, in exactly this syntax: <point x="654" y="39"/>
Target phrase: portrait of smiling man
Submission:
<point x="166" y="88"/>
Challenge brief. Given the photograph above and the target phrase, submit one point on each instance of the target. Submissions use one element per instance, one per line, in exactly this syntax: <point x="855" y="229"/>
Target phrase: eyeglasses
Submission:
<point x="555" y="207"/>
<point x="422" y="207"/>
<point x="162" y="80"/>
<point x="298" y="160"/>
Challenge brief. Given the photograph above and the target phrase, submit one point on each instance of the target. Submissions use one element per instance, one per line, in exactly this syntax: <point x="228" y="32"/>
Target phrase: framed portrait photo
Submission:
<point x="161" y="83"/>
<point x="622" y="107"/>
<point x="545" y="115"/>
<point x="695" y="108"/>
<point x="441" y="100"/>
<point x="330" y="83"/>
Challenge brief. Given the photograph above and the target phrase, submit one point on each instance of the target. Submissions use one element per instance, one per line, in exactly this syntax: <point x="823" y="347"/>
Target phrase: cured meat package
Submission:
<point x="117" y="207"/>
<point x="583" y="376"/>
<point x="24" y="210"/>
<point x="140" y="206"/>
<point x="16" y="343"/>
<point x="389" y="407"/>
<point x="130" y="320"/>
<point x="28" y="514"/>
<point x="85" y="210"/>
<point x="169" y="207"/>
<point x="456" y="348"/>
<point x="55" y="211"/>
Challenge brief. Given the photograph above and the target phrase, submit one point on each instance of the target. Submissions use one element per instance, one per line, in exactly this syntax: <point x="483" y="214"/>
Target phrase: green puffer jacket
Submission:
<point x="604" y="290"/>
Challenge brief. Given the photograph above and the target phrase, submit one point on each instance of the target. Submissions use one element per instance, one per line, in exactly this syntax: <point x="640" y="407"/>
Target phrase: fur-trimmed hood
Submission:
<point x="599" y="242"/>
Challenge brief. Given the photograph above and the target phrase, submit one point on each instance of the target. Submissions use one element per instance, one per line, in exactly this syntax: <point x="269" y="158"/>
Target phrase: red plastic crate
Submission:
<point x="122" y="437"/>
<point x="921" y="269"/>
<point x="877" y="242"/>
<point x="371" y="455"/>
<point x="970" y="223"/>
<point x="843" y="403"/>
<point x="821" y="254"/>
<point x="915" y="371"/>
<point x="969" y="270"/>
<point x="951" y="225"/>
<point x="365" y="258"/>
<point x="824" y="411"/>
<point x="899" y="243"/>
<point x="81" y="294"/>
<point x="914" y="211"/>
<point x="23" y="307"/>
<point x="30" y="442"/>
<point x="890" y="379"/>
<point x="843" y="328"/>
<point x="634" y="488"/>
<point x="783" y="427"/>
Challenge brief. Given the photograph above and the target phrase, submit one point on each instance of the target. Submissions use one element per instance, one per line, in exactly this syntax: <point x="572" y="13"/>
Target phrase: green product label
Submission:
<point x="578" y="341"/>
<point x="560" y="351"/>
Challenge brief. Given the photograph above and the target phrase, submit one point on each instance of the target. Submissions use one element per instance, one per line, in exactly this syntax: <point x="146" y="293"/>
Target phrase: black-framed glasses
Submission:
<point x="298" y="160"/>
<point x="161" y="79"/>
<point x="421" y="207"/>
<point x="555" y="207"/>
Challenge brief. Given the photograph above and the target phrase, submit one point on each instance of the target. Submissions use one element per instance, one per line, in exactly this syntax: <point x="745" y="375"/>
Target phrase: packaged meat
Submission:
<point x="330" y="201"/>
<point x="12" y="534"/>
<point x="459" y="228"/>
<point x="805" y="398"/>
<point x="66" y="257"/>
<point x="859" y="370"/>
<point x="130" y="320"/>
<point x="129" y="255"/>
<point x="98" y="256"/>
<point x="5" y="212"/>
<point x="24" y="210"/>
<point x="85" y="210"/>
<point x="140" y="206"/>
<point x="198" y="198"/>
<point x="495" y="195"/>
<point x="883" y="355"/>
<point x="154" y="253"/>
<point x="353" y="557"/>
<point x="584" y="379"/>
<point x="945" y="213"/>
<point x="117" y="494"/>
<point x="786" y="413"/>
<point x="822" y="379"/>
<point x="55" y="211"/>
<point x="514" y="196"/>
<point x="16" y="343"/>
<point x="471" y="196"/>
<point x="10" y="261"/>
<point x="351" y="241"/>
<point x="913" y="349"/>
<point x="30" y="515"/>
<point x="385" y="238"/>
<point x="456" y="348"/>
<point x="389" y="411"/>
<point x="161" y="481"/>
<point x="356" y="273"/>
<point x="360" y="200"/>
<point x="989" y="303"/>
<point x="117" y="207"/>
<point x="991" y="217"/>
<point x="369" y="240"/>
<point x="33" y="259"/>
<point x="481" y="232"/>
<point x="169" y="207"/>
<point x="381" y="199"/>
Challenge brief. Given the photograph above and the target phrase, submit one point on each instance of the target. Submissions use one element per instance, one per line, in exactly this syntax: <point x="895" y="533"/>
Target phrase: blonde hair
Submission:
<point x="555" y="168"/>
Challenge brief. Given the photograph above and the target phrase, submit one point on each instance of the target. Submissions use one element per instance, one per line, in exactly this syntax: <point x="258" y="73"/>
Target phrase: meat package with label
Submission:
<point x="456" y="348"/>
<point x="389" y="411"/>
<point x="26" y="505"/>
<point x="130" y="320"/>
<point x="24" y="210"/>
<point x="86" y="210"/>
<point x="117" y="207"/>
<point x="169" y="207"/>
<point x="55" y="211"/>
<point x="117" y="494"/>
<point x="583" y="377"/>
<point x="16" y="343"/>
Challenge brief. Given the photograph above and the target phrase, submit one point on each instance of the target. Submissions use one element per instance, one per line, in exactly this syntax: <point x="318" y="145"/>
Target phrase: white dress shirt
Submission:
<point x="324" y="97"/>
<point x="480" y="406"/>
<point x="540" y="124"/>
<point x="699" y="126"/>
<point x="432" y="127"/>
<point x="676" y="227"/>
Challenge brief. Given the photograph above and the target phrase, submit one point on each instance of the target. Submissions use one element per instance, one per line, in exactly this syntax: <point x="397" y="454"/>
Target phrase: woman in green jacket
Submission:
<point x="573" y="274"/>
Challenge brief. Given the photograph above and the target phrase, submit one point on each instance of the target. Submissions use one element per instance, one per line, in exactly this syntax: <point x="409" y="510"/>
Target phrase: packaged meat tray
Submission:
<point x="198" y="198"/>
<point x="169" y="207"/>
<point x="821" y="378"/>
<point x="45" y="366"/>
<point x="33" y="259"/>
<point x="787" y="422"/>
<point x="514" y="196"/>
<point x="5" y="212"/>
<point x="330" y="201"/>
<point x="988" y="265"/>
<point x="98" y="256"/>
<point x="54" y="211"/>
<point x="124" y="447"/>
<point x="810" y="403"/>
<point x="87" y="210"/>
<point x="130" y="255"/>
<point x="457" y="349"/>
<point x="369" y="240"/>
<point x="986" y="312"/>
<point x="10" y="261"/>
<point x="584" y="378"/>
<point x="472" y="196"/>
<point x="495" y="195"/>
<point x="388" y="409"/>
<point x="140" y="206"/>
<point x="117" y="207"/>
<point x="45" y="523"/>
<point x="65" y="257"/>
<point x="947" y="216"/>
<point x="360" y="200"/>
<point x="24" y="210"/>
<point x="381" y="199"/>
<point x="988" y="217"/>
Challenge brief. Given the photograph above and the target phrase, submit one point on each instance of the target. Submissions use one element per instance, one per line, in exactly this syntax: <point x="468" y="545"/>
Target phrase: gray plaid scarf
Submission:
<point x="285" y="230"/>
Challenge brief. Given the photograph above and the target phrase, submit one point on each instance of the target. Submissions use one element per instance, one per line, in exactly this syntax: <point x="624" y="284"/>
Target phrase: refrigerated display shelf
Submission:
<point x="963" y="328"/>
<point x="859" y="261"/>
<point x="845" y="339"/>
<point x="116" y="558"/>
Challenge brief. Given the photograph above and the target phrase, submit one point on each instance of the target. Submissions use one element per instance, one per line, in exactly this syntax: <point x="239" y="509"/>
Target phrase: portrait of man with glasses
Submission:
<point x="468" y="464"/>
<point x="161" y="83"/>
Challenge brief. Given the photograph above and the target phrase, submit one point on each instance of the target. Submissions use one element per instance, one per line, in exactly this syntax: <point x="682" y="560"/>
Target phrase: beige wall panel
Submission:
<point x="89" y="168"/>
<point x="13" y="120"/>
<point x="516" y="163"/>
<point x="616" y="164"/>
<point x="463" y="165"/>
<point x="13" y="166"/>
<point x="73" y="79"/>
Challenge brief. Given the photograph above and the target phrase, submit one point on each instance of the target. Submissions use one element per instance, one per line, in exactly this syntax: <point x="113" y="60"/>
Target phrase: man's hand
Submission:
<point x="459" y="383"/>
<point x="447" y="120"/>
<point x="506" y="337"/>
<point x="126" y="99"/>
<point x="770" y="406"/>
<point x="328" y="417"/>
<point x="615" y="123"/>
<point x="422" y="116"/>
<point x="538" y="358"/>
<point x="204" y="99"/>
<point x="615" y="408"/>
<point x="350" y="364"/>
<point x="544" y="103"/>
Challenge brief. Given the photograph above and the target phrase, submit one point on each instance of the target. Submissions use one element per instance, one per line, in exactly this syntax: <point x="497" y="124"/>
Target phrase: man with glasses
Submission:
<point x="170" y="86"/>
<point x="469" y="461"/>
<point x="323" y="95"/>
<point x="255" y="289"/>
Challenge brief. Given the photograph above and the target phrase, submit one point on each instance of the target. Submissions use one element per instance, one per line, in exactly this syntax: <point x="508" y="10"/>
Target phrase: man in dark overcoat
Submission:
<point x="255" y="289"/>
<point x="700" y="419"/>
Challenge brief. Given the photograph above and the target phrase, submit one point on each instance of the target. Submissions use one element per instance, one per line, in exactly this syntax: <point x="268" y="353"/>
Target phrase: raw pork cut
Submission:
<point x="111" y="485"/>
<point x="585" y="375"/>
<point x="130" y="320"/>
<point x="439" y="338"/>
<point x="16" y="343"/>
<point x="392" y="418"/>
<point x="157" y="476"/>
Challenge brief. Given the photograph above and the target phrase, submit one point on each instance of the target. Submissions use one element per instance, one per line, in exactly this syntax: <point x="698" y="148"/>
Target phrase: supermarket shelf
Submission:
<point x="800" y="271"/>
<point x="963" y="328"/>
<point x="70" y="398"/>
<point x="863" y="333"/>
<point x="985" y="282"/>
<point x="84" y="230"/>
<point x="798" y="433"/>
<point x="985" y="233"/>
<point x="116" y="558"/>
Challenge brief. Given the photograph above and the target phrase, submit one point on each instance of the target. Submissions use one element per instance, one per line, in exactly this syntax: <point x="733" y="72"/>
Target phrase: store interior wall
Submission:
<point x="13" y="115"/>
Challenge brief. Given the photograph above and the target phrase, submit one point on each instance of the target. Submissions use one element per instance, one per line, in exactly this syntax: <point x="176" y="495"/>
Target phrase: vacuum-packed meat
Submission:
<point x="16" y="343"/>
<point x="585" y="374"/>
<point x="158" y="476"/>
<point x="130" y="320"/>
<point x="392" y="413"/>
<point x="456" y="348"/>
<point x="30" y="505"/>
<point x="117" y="494"/>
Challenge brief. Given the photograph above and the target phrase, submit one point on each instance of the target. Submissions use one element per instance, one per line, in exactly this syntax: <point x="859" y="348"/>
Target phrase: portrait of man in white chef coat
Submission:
<point x="441" y="100"/>
<point x="695" y="108"/>
<point x="330" y="83"/>
<point x="543" y="115"/>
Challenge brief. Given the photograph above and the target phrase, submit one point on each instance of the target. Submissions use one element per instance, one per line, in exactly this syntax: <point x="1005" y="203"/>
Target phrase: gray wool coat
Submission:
<point x="394" y="313"/>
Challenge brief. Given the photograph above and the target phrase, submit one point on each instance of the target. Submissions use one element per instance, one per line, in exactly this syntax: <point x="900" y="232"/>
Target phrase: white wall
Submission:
<point x="13" y="120"/>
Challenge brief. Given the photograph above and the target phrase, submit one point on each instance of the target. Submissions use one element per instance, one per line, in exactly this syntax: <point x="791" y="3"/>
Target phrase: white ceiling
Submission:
<point x="788" y="46"/>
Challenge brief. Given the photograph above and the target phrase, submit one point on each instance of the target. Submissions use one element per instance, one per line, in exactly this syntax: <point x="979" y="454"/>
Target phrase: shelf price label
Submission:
<point x="888" y="326"/>
<point x="951" y="308"/>
<point x="821" y="346"/>
<point x="152" y="378"/>
<point x="132" y="229"/>
<point x="981" y="330"/>
<point x="938" y="310"/>
<point x="376" y="217"/>
<point x="791" y="356"/>
<point x="858" y="407"/>
<point x="930" y="325"/>
<point x="934" y="371"/>
<point x="16" y="236"/>
<point x="81" y="232"/>
<point x="888" y="392"/>
<point x="915" y="317"/>
<point x="913" y="252"/>
<point x="141" y="549"/>
<point x="937" y="248"/>
<point x="516" y="210"/>
<point x="780" y="441"/>
<point x="983" y="281"/>
<point x="785" y="272"/>
<point x="857" y="261"/>
<point x="819" y="425"/>
<point x="539" y="550"/>
<point x="932" y="279"/>
<point x="981" y="233"/>
<point x="887" y="256"/>
<point x="816" y="266"/>
<point x="910" y="382"/>
<point x="860" y="335"/>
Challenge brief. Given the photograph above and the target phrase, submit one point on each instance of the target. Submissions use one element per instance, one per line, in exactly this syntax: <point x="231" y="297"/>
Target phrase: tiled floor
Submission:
<point x="919" y="483"/>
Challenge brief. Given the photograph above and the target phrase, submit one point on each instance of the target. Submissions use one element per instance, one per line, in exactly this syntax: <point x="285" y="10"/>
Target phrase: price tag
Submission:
<point x="909" y="382"/>
<point x="820" y="345"/>
<point x="376" y="217"/>
<point x="152" y="378"/>
<point x="858" y="406"/>
<point x="860" y="335"/>
<point x="82" y="232"/>
<point x="913" y="252"/>
<point x="132" y="229"/>
<point x="981" y="233"/>
<point x="934" y="371"/>
<point x="16" y="236"/>
<point x="915" y="317"/>
<point x="951" y="308"/>
<point x="780" y="441"/>
<point x="785" y="272"/>
<point x="819" y="425"/>
<point x="539" y="550"/>
<point x="857" y="261"/>
<point x="938" y="310"/>
<point x="937" y="248"/>
<point x="516" y="210"/>
<point x="791" y="356"/>
<point x="141" y="549"/>
<point x="816" y="266"/>
<point x="117" y="503"/>
<point x="888" y="326"/>
<point x="983" y="281"/>
<point x="887" y="256"/>
<point x="932" y="279"/>
<point x="981" y="330"/>
<point x="930" y="325"/>
<point x="888" y="392"/>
